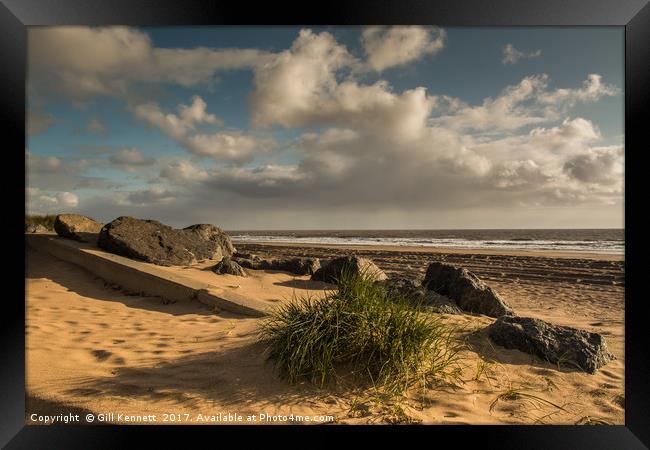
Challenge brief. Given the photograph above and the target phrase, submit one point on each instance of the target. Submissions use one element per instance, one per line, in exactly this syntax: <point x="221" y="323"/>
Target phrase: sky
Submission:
<point x="328" y="127"/>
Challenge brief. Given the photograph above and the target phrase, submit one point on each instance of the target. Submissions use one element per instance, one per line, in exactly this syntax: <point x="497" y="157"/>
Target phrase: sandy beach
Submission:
<point x="93" y="348"/>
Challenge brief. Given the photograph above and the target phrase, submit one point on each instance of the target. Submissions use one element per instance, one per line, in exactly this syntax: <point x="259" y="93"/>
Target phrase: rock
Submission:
<point x="154" y="242"/>
<point x="466" y="289"/>
<point x="210" y="232"/>
<point x="36" y="228"/>
<point x="418" y="296"/>
<point x="557" y="344"/>
<point x="298" y="266"/>
<point x="357" y="265"/>
<point x="229" y="267"/>
<point x="75" y="226"/>
<point x="245" y="256"/>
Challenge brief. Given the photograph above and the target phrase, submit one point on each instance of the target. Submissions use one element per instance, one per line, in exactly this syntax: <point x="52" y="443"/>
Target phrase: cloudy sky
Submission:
<point x="328" y="127"/>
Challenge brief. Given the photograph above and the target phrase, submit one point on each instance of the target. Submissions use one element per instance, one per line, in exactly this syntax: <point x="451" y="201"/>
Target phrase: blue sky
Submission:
<point x="329" y="127"/>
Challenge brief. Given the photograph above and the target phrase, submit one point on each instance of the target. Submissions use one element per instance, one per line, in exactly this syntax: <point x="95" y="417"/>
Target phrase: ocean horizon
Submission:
<point x="604" y="240"/>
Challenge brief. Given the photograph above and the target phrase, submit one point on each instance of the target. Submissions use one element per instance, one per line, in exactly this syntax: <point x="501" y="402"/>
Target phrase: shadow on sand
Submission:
<point x="230" y="378"/>
<point x="76" y="279"/>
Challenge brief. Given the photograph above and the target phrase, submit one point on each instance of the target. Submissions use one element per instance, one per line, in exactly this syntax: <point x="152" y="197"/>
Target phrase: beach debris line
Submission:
<point x="332" y="272"/>
<point x="75" y="226"/>
<point x="565" y="346"/>
<point x="154" y="242"/>
<point x="229" y="267"/>
<point x="469" y="292"/>
<point x="298" y="266"/>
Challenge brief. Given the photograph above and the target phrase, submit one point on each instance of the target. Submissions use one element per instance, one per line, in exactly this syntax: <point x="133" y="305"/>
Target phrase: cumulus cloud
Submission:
<point x="395" y="46"/>
<point x="602" y="165"/>
<point x="231" y="145"/>
<point x="319" y="98"/>
<point x="529" y="102"/>
<point x="96" y="126"/>
<point x="129" y="157"/>
<point x="510" y="55"/>
<point x="184" y="171"/>
<point x="177" y="125"/>
<point x="41" y="202"/>
<point x="79" y="62"/>
<point x="155" y="194"/>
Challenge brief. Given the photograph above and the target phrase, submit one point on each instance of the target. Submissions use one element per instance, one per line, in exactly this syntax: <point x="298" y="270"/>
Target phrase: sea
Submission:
<point x="574" y="240"/>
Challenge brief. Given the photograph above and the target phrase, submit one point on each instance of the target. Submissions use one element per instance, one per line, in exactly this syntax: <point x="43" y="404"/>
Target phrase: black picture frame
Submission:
<point x="634" y="15"/>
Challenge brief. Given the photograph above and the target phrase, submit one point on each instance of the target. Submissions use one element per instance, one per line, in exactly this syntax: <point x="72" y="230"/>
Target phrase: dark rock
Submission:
<point x="557" y="344"/>
<point x="211" y="233"/>
<point x="413" y="291"/>
<point x="466" y="289"/>
<point x="36" y="228"/>
<point x="246" y="256"/>
<point x="357" y="265"/>
<point x="154" y="242"/>
<point x="75" y="226"/>
<point x="298" y="266"/>
<point x="229" y="267"/>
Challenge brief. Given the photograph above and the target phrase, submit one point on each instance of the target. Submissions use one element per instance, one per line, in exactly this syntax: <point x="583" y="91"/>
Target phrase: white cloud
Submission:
<point x="527" y="103"/>
<point x="232" y="145"/>
<point x="40" y="202"/>
<point x="510" y="55"/>
<point x="184" y="172"/>
<point x="78" y="62"/>
<point x="96" y="126"/>
<point x="398" y="45"/>
<point x="177" y="126"/>
<point x="128" y="157"/>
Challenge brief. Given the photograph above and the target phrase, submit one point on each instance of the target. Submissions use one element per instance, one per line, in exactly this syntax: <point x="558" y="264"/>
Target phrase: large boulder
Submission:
<point x="154" y="242"/>
<point x="331" y="272"/>
<point x="229" y="267"/>
<point x="210" y="232"/>
<point x="466" y="289"/>
<point x="298" y="266"/>
<point x="75" y="226"/>
<point x="556" y="344"/>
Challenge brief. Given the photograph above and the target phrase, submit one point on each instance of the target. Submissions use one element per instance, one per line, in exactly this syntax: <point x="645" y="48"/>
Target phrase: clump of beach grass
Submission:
<point x="360" y="332"/>
<point x="47" y="221"/>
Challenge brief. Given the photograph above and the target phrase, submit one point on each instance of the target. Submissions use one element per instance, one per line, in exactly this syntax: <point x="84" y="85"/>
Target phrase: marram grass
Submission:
<point x="46" y="221"/>
<point x="360" y="330"/>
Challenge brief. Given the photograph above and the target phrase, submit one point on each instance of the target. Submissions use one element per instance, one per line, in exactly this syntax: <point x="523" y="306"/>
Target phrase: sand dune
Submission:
<point x="93" y="348"/>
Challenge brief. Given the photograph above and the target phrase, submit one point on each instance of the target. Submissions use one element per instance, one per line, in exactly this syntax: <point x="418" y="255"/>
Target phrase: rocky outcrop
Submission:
<point x="465" y="289"/>
<point x="560" y="345"/>
<point x="154" y="242"/>
<point x="75" y="226"/>
<point x="229" y="267"/>
<point x="36" y="228"/>
<point x="331" y="272"/>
